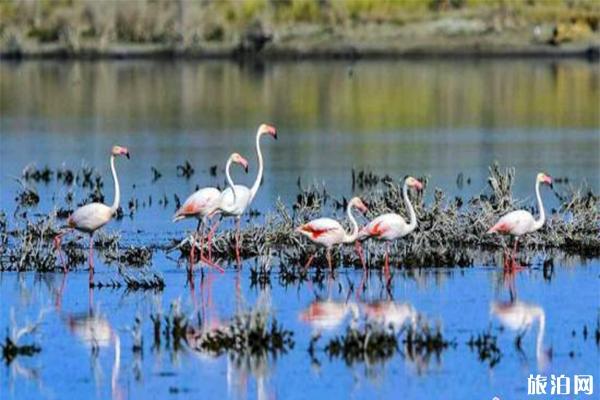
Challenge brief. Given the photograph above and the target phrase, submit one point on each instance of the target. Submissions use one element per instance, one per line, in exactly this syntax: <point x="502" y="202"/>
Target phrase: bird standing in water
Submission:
<point x="392" y="226"/>
<point x="235" y="200"/>
<point x="328" y="232"/>
<point x="202" y="205"/>
<point x="91" y="217"/>
<point x="520" y="222"/>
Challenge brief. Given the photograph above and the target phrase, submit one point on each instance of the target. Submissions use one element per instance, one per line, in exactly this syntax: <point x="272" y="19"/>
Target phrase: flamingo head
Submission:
<point x="267" y="129"/>
<point x="238" y="159"/>
<point x="414" y="183"/>
<point x="358" y="203"/>
<point x="543" y="178"/>
<point x="120" y="151"/>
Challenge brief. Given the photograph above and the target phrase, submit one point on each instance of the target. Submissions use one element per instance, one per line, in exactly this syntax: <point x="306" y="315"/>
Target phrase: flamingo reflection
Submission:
<point x="520" y="317"/>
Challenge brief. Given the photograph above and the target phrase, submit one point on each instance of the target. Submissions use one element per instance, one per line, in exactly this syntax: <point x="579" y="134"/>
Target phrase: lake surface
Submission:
<point x="425" y="118"/>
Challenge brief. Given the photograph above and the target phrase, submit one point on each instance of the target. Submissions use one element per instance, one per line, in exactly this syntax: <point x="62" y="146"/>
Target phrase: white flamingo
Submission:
<point x="236" y="199"/>
<point x="392" y="226"/>
<point x="520" y="222"/>
<point x="328" y="232"/>
<point x="91" y="217"/>
<point x="202" y="205"/>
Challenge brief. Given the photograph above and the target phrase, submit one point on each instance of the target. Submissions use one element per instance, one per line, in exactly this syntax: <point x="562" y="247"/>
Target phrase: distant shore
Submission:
<point x="300" y="29"/>
<point x="473" y="49"/>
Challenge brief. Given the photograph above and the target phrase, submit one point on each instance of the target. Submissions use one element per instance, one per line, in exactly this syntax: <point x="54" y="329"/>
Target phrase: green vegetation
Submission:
<point x="291" y="26"/>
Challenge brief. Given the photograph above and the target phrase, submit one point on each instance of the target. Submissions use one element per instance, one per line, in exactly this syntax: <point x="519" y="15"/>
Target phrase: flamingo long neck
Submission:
<point x="256" y="184"/>
<point x="540" y="221"/>
<point x="412" y="224"/>
<point x="349" y="238"/>
<point x="229" y="180"/>
<point x="115" y="204"/>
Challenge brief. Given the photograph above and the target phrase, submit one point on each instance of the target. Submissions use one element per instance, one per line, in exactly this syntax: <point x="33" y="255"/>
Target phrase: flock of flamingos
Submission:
<point x="208" y="202"/>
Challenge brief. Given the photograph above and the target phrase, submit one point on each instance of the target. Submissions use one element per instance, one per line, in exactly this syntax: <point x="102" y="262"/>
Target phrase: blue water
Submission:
<point x="434" y="119"/>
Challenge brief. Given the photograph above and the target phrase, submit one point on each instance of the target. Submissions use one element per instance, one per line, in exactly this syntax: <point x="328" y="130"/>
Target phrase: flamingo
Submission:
<point x="90" y="217"/>
<point x="202" y="205"/>
<point x="520" y="222"/>
<point x="519" y="316"/>
<point x="328" y="232"/>
<point x="392" y="226"/>
<point x="236" y="199"/>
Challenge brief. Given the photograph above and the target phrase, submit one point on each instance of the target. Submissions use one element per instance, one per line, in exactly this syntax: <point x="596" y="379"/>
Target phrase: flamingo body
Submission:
<point x="90" y="217"/>
<point x="326" y="232"/>
<point x="515" y="223"/>
<point x="385" y="227"/>
<point x="200" y="204"/>
<point x="235" y="205"/>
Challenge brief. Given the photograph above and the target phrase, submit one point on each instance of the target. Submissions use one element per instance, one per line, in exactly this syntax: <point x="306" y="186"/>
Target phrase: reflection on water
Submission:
<point x="328" y="315"/>
<point x="420" y="118"/>
<point x="434" y="117"/>
<point x="392" y="315"/>
<point x="519" y="316"/>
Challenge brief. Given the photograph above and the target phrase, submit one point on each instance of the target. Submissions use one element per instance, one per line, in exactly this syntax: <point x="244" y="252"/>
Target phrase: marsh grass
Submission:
<point x="451" y="232"/>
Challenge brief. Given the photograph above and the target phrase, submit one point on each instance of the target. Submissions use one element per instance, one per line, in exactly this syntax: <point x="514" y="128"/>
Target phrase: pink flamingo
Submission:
<point x="520" y="222"/>
<point x="392" y="226"/>
<point x="89" y="218"/>
<point x="202" y="205"/>
<point x="328" y="232"/>
<point x="236" y="199"/>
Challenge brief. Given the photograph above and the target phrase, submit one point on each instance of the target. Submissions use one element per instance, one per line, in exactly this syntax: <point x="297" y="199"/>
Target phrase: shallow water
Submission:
<point x="427" y="118"/>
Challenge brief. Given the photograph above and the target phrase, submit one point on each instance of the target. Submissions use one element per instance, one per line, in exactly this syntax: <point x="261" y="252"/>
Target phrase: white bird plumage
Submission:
<point x="519" y="222"/>
<point x="328" y="232"/>
<point x="91" y="217"/>
<point x="235" y="200"/>
<point x="391" y="226"/>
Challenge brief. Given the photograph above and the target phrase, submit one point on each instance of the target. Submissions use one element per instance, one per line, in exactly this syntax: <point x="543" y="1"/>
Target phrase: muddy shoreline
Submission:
<point x="474" y="50"/>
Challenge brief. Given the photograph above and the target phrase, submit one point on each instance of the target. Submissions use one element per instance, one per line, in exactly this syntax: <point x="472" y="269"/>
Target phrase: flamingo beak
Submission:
<point x="272" y="131"/>
<point x="418" y="185"/>
<point x="244" y="164"/>
<point x="548" y="180"/>
<point x="127" y="155"/>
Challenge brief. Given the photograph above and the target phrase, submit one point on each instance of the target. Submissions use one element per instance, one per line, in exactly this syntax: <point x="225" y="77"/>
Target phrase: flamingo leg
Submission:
<point x="192" y="253"/>
<point x="237" y="241"/>
<point x="329" y="260"/>
<point x="387" y="262"/>
<point x="57" y="242"/>
<point x="91" y="261"/>
<point x="309" y="261"/>
<point x="514" y="264"/>
<point x="210" y="237"/>
<point x="360" y="253"/>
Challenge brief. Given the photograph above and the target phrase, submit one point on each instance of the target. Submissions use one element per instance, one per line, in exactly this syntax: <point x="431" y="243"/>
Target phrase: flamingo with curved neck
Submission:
<point x="92" y="217"/>
<point x="519" y="222"/>
<point x="328" y="232"/>
<point x="391" y="226"/>
<point x="235" y="200"/>
<point x="202" y="205"/>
